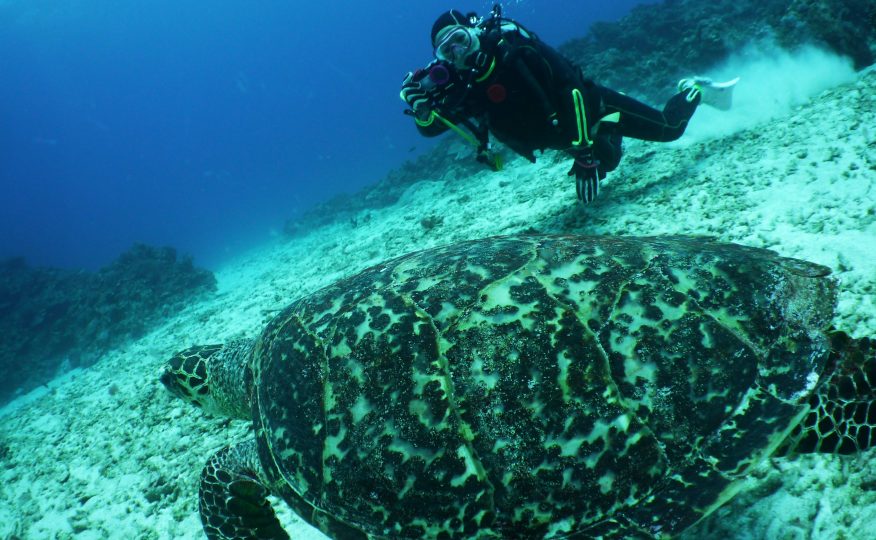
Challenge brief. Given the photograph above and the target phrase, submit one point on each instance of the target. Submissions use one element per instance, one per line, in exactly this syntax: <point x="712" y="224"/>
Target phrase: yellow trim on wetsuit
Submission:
<point x="581" y="118"/>
<point x="489" y="72"/>
<point x="435" y="116"/>
<point x="427" y="122"/>
<point x="458" y="130"/>
<point x="496" y="159"/>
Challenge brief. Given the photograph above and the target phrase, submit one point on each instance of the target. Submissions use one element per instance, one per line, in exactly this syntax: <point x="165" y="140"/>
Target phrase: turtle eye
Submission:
<point x="183" y="385"/>
<point x="175" y="382"/>
<point x="185" y="374"/>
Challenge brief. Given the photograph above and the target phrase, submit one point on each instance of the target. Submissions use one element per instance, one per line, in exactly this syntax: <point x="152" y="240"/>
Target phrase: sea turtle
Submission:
<point x="530" y="387"/>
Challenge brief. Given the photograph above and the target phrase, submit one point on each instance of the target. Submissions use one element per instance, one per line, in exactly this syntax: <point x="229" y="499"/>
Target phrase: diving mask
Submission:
<point x="456" y="44"/>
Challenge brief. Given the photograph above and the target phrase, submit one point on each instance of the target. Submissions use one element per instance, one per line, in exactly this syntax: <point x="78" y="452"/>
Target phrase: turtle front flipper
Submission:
<point x="233" y="497"/>
<point x="842" y="417"/>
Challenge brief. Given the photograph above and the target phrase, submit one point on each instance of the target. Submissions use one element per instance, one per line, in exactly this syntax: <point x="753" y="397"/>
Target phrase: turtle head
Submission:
<point x="215" y="378"/>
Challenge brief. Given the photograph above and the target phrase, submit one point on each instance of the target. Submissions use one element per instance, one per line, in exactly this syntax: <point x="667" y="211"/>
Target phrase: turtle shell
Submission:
<point x="539" y="384"/>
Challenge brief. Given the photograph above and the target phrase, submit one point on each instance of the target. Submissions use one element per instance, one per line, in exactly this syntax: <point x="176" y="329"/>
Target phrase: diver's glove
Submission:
<point x="417" y="98"/>
<point x="587" y="175"/>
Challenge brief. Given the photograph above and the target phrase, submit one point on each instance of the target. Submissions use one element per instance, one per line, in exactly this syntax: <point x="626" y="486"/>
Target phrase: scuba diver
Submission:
<point x="492" y="75"/>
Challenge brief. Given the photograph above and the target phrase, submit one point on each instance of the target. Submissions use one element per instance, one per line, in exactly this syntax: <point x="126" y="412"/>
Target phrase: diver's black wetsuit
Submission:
<point x="523" y="92"/>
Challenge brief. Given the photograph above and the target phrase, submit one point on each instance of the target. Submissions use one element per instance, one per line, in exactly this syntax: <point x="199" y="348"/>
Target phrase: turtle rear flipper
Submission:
<point x="842" y="419"/>
<point x="233" y="499"/>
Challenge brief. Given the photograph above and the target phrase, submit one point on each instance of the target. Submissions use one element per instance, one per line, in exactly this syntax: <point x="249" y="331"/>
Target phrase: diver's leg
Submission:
<point x="640" y="121"/>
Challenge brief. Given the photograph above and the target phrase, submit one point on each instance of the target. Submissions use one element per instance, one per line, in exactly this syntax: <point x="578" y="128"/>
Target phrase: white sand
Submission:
<point x="105" y="452"/>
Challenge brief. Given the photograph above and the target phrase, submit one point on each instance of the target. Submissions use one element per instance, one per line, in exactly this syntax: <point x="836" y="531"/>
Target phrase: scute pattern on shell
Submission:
<point x="537" y="383"/>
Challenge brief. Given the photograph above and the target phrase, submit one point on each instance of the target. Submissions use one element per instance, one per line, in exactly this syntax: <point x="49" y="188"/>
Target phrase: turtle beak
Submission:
<point x="171" y="380"/>
<point x="166" y="379"/>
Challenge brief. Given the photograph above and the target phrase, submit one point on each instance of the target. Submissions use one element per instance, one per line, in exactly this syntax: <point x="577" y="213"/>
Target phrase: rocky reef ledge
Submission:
<point x="54" y="319"/>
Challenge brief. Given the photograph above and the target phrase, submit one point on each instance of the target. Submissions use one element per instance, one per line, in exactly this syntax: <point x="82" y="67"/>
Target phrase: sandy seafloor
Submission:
<point x="105" y="452"/>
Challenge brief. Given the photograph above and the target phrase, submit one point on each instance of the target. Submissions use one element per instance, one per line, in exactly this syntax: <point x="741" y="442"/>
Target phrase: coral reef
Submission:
<point x="847" y="27"/>
<point x="657" y="44"/>
<point x="55" y="319"/>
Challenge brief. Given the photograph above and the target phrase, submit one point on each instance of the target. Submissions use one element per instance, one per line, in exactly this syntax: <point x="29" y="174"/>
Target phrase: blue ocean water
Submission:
<point x="205" y="125"/>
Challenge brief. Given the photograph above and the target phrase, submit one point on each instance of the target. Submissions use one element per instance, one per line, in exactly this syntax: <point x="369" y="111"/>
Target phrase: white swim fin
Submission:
<point x="715" y="94"/>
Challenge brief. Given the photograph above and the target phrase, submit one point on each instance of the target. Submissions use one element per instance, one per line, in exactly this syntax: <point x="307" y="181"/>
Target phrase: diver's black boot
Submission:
<point x="714" y="94"/>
